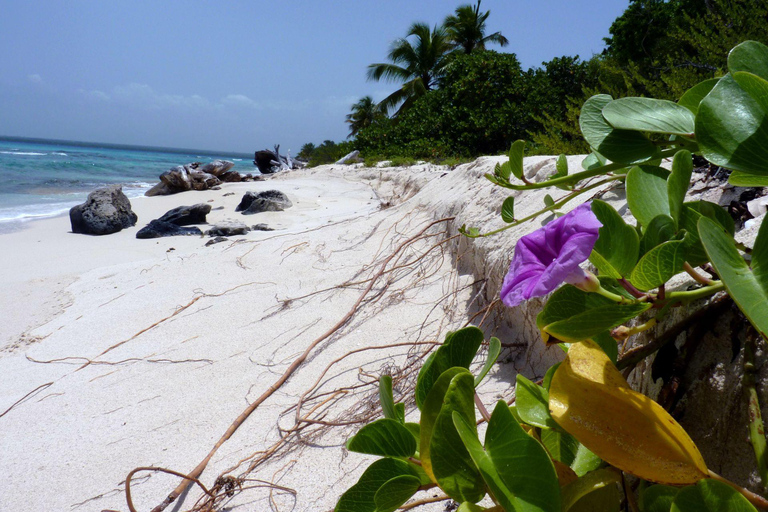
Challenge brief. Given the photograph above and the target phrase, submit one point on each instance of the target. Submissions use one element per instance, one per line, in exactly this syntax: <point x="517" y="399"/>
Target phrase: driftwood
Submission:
<point x="351" y="158"/>
<point x="270" y="162"/>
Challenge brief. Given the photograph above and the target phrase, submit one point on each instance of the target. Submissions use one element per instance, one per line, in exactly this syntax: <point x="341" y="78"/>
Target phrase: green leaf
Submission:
<point x="516" y="158"/>
<point x="678" y="182"/>
<point x="415" y="430"/>
<point x="459" y="349"/>
<point x="361" y="496"/>
<point x="385" y="437"/>
<point x="660" y="264"/>
<point x="754" y="86"/>
<point x="647" y="193"/>
<point x="617" y="243"/>
<point x="566" y="449"/>
<point x="710" y="496"/>
<point x="572" y="315"/>
<point x="593" y="160"/>
<point x="430" y="412"/>
<point x="622" y="146"/>
<point x="596" y="491"/>
<point x="749" y="289"/>
<point x="561" y="446"/>
<point x="562" y="171"/>
<point x="508" y="210"/>
<point x="662" y="228"/>
<point x="548" y="201"/>
<point x="649" y="115"/>
<point x="522" y="463"/>
<point x="386" y="398"/>
<point x="468" y="434"/>
<point x="742" y="179"/>
<point x="695" y="94"/>
<point x="452" y="465"/>
<point x="749" y="56"/>
<point x="502" y="172"/>
<point x="585" y="461"/>
<point x="532" y="403"/>
<point x="608" y="344"/>
<point x="548" y="376"/>
<point x="395" y="492"/>
<point x="494" y="349"/>
<point x="689" y="219"/>
<point x="658" y="498"/>
<point x="470" y="507"/>
<point x="732" y="129"/>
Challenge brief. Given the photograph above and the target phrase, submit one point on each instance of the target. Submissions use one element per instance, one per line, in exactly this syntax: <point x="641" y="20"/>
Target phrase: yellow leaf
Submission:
<point x="591" y="401"/>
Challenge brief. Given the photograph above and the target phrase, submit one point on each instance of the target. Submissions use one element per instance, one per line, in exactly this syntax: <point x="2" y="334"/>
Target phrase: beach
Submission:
<point x="120" y="353"/>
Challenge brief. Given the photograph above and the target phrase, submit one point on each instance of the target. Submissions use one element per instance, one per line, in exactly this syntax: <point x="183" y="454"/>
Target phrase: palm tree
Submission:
<point x="466" y="29"/>
<point x="419" y="64"/>
<point x="364" y="113"/>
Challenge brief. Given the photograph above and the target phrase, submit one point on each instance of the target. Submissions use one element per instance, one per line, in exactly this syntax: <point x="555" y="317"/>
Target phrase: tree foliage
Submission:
<point x="418" y="61"/>
<point x="466" y="29"/>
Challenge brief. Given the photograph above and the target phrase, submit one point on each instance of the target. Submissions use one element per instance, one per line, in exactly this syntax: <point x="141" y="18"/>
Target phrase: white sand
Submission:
<point x="165" y="395"/>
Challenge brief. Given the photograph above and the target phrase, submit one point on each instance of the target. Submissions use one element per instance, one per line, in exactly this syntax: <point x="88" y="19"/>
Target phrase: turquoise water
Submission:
<point x="43" y="178"/>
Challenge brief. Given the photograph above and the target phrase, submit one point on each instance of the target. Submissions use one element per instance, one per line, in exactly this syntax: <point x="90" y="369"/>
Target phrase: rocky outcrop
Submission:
<point x="228" y="228"/>
<point x="186" y="215"/>
<point x="194" y="176"/>
<point x="158" y="229"/>
<point x="268" y="201"/>
<point x="107" y="210"/>
<point x="216" y="240"/>
<point x="261" y="227"/>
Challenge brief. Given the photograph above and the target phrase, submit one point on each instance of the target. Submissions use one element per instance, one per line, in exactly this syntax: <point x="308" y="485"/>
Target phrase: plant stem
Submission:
<point x="753" y="498"/>
<point x="574" y="178"/>
<point x="756" y="427"/>
<point x="615" y="297"/>
<point x="554" y="207"/>
<point x="696" y="276"/>
<point x="700" y="293"/>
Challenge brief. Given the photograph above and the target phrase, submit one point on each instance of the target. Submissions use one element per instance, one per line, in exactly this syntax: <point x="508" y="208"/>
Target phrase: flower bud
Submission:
<point x="587" y="282"/>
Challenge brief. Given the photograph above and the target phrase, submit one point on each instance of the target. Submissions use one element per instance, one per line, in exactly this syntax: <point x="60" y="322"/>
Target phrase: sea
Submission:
<point x="45" y="178"/>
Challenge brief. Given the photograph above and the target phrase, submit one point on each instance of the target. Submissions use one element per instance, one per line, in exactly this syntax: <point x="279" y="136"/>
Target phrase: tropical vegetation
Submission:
<point x="581" y="439"/>
<point x="656" y="48"/>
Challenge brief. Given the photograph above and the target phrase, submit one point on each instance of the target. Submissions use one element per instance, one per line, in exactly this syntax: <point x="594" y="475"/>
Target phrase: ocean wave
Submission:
<point x="61" y="153"/>
<point x="24" y="153"/>
<point x="34" y="211"/>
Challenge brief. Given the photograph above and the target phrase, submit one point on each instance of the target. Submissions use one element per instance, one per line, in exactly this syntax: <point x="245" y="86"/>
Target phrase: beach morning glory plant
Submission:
<point x="567" y="444"/>
<point x="552" y="255"/>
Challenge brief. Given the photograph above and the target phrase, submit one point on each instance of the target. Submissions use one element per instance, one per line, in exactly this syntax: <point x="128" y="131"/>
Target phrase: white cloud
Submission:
<point x="35" y="79"/>
<point x="239" y="100"/>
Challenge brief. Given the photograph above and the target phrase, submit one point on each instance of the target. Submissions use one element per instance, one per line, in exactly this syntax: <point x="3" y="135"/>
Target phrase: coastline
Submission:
<point x="124" y="353"/>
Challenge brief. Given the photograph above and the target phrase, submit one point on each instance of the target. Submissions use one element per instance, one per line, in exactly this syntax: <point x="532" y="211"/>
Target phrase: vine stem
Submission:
<point x="552" y="208"/>
<point x="753" y="498"/>
<point x="700" y="293"/>
<point x="696" y="276"/>
<point x="575" y="178"/>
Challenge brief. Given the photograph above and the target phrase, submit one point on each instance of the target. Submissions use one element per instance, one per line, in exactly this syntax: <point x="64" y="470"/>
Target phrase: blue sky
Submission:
<point x="234" y="75"/>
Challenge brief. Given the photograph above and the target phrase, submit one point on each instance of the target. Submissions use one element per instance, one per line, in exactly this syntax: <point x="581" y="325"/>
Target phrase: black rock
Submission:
<point x="268" y="201"/>
<point x="158" y="228"/>
<point x="186" y="215"/>
<point x="216" y="240"/>
<point x="107" y="210"/>
<point x="228" y="228"/>
<point x="261" y="227"/>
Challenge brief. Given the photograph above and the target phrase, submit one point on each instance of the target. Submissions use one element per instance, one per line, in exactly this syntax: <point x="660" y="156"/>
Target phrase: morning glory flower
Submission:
<point x="551" y="255"/>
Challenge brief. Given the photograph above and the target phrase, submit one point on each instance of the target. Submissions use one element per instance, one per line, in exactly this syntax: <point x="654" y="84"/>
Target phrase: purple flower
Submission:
<point x="551" y="255"/>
